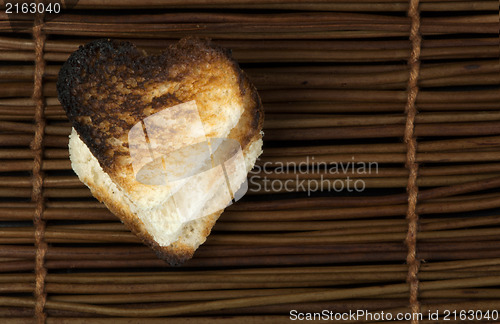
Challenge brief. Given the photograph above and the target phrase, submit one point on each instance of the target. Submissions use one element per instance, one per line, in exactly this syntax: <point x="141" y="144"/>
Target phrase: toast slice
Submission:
<point x="108" y="87"/>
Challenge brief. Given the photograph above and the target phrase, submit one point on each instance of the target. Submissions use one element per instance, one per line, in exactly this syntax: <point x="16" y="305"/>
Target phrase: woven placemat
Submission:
<point x="374" y="110"/>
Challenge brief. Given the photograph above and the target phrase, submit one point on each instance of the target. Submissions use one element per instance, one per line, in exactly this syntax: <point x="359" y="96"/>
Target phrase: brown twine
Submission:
<point x="38" y="176"/>
<point x="411" y="145"/>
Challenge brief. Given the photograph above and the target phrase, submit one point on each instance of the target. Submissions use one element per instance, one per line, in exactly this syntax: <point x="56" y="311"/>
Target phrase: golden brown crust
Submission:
<point x="246" y="132"/>
<point x="102" y="88"/>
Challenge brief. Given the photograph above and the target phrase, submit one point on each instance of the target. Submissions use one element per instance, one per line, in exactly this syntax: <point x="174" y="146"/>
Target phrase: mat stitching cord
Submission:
<point x="38" y="177"/>
<point x="411" y="164"/>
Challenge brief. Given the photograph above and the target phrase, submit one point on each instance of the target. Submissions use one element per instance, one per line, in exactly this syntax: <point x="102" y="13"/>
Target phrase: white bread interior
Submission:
<point x="160" y="221"/>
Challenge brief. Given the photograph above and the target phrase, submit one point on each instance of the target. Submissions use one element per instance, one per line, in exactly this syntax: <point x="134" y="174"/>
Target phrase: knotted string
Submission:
<point x="38" y="176"/>
<point x="411" y="146"/>
<point x="411" y="163"/>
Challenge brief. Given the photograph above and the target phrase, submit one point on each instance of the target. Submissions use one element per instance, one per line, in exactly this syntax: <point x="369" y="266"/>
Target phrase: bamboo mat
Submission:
<point x="400" y="99"/>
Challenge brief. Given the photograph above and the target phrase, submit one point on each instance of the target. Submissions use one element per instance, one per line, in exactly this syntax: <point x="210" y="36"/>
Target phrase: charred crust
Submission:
<point x="88" y="68"/>
<point x="106" y="78"/>
<point x="86" y="60"/>
<point x="255" y="113"/>
<point x="242" y="77"/>
<point x="258" y="112"/>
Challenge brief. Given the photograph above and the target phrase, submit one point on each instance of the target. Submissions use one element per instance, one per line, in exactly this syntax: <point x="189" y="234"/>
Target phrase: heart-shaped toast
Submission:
<point x="126" y="106"/>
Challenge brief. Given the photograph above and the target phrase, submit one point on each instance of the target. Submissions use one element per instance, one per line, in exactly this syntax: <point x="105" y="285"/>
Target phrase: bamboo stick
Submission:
<point x="469" y="80"/>
<point x="178" y="31"/>
<point x="272" y="29"/>
<point x="49" y="182"/>
<point x="433" y="266"/>
<point x="255" y="21"/>
<point x="267" y="186"/>
<point x="144" y="253"/>
<point x="459" y="198"/>
<point x="89" y="213"/>
<point x="101" y="236"/>
<point x="249" y="56"/>
<point x="320" y="161"/>
<point x="114" y="288"/>
<point x="80" y="318"/>
<point x="93" y="211"/>
<point x="259" y="18"/>
<point x="340" y="306"/>
<point x="29" y="128"/>
<point x="257" y="260"/>
<point x="359" y="212"/>
<point x="447" y="224"/>
<point x="346" y="252"/>
<point x="25" y="165"/>
<point x="213" y="295"/>
<point x="24" y="140"/>
<point x="468" y="259"/>
<point x="28" y="118"/>
<point x="424" y="146"/>
<point x="294" y="5"/>
<point x="173" y="283"/>
<point x="365" y="305"/>
<point x="375" y="237"/>
<point x="345" y="183"/>
<point x="378" y="96"/>
<point x="27" y="154"/>
<point x="438" y="129"/>
<point x="340" y="226"/>
<point x="96" y="254"/>
<point x="260" y="300"/>
<point x="325" y="82"/>
<point x="470" y="293"/>
<point x="460" y="264"/>
<point x="55" y="110"/>
<point x="317" y="237"/>
<point x="277" y="55"/>
<point x="250" y="261"/>
<point x="276" y="260"/>
<point x="308" y="121"/>
<point x="288" y="270"/>
<point x="428" y="174"/>
<point x="271" y="26"/>
<point x="174" y="296"/>
<point x="70" y="45"/>
<point x="350" y="107"/>
<point x="326" y="78"/>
